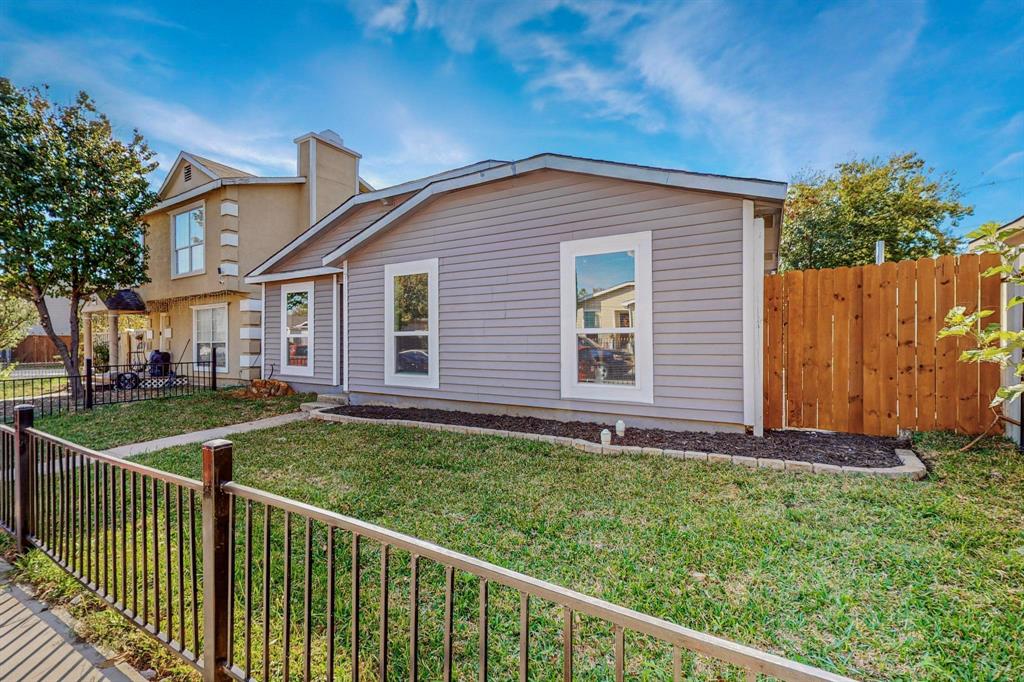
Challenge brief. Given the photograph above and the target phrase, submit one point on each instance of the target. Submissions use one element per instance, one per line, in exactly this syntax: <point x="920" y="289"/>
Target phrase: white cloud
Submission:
<point x="420" y="150"/>
<point x="101" y="67"/>
<point x="779" y="99"/>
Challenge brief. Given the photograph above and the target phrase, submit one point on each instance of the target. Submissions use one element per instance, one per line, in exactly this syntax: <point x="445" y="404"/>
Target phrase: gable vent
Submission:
<point x="188" y="173"/>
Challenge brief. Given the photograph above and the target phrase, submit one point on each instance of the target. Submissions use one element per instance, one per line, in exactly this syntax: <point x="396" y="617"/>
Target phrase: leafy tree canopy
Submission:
<point x="16" y="316"/>
<point x="72" y="197"/>
<point x="834" y="219"/>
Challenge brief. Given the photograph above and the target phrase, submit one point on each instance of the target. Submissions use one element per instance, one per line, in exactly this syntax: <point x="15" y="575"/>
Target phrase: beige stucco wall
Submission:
<point x="177" y="183"/>
<point x="181" y="345"/>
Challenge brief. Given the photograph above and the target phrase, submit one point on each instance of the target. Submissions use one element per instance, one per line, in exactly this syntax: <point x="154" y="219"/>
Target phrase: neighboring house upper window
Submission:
<point x="607" y="340"/>
<point x="189" y="235"/>
<point x="410" y="324"/>
<point x="209" y="332"/>
<point x="297" y="328"/>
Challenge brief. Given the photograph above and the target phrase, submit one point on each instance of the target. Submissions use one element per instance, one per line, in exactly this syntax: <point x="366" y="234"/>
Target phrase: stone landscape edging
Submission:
<point x="911" y="466"/>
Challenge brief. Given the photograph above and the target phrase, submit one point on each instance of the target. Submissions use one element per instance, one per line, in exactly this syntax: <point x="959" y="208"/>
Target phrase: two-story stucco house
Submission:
<point x="551" y="286"/>
<point x="212" y="224"/>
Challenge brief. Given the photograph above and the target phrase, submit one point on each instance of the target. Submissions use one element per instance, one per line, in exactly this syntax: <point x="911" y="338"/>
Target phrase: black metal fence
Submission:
<point x="57" y="391"/>
<point x="249" y="586"/>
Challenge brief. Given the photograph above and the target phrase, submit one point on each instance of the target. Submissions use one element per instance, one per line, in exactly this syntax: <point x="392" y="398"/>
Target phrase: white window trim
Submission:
<point x="391" y="378"/>
<point x="296" y="288"/>
<point x="227" y="335"/>
<point x="643" y="391"/>
<point x="174" y="261"/>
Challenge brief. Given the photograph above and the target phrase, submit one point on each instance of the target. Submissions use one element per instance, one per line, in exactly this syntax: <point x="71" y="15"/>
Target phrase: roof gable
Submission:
<point x="750" y="188"/>
<point x="202" y="171"/>
<point x="490" y="171"/>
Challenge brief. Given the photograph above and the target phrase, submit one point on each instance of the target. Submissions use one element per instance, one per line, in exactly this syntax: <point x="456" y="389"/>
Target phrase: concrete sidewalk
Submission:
<point x="203" y="436"/>
<point x="38" y="645"/>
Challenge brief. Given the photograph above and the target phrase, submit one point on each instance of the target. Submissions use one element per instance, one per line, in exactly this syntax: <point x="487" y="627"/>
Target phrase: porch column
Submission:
<point x="113" y="338"/>
<point x="87" y="333"/>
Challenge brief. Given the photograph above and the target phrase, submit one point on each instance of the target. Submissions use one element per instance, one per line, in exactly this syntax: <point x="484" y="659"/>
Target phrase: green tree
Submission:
<point x="72" y="197"/>
<point x="835" y="219"/>
<point x="16" y="316"/>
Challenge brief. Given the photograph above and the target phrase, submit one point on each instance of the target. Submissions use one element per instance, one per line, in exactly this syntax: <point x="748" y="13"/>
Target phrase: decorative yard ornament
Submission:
<point x="606" y="437"/>
<point x="620" y="428"/>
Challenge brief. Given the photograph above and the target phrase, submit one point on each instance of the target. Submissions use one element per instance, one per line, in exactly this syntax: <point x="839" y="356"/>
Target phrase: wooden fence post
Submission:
<point x="23" y="419"/>
<point x="88" y="384"/>
<point x="216" y="559"/>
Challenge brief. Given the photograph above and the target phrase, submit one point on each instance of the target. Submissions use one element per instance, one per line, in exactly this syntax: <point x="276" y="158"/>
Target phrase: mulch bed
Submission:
<point x="844" y="449"/>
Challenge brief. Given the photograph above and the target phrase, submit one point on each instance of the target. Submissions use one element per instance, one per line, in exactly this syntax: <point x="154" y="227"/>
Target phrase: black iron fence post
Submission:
<point x="213" y="368"/>
<point x="23" y="419"/>
<point x="216" y="559"/>
<point x="88" y="384"/>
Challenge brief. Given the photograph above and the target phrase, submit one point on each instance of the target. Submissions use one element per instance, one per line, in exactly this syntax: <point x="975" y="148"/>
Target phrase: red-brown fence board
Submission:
<point x="856" y="349"/>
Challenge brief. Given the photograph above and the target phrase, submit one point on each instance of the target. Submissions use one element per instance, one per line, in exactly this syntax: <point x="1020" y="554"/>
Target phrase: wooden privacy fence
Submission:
<point x="856" y="349"/>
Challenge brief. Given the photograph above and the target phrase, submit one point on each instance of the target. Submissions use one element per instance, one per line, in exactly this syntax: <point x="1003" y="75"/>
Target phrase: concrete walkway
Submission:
<point x="203" y="436"/>
<point x="38" y="645"/>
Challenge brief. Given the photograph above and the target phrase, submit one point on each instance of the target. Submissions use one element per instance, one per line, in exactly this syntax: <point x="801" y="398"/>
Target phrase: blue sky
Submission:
<point x="766" y="89"/>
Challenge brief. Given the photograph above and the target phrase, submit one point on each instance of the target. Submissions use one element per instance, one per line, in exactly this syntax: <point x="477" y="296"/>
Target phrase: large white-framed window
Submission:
<point x="188" y="241"/>
<point x="297" y="328"/>
<point x="209" y="332"/>
<point x="607" y="331"/>
<point x="410" y="324"/>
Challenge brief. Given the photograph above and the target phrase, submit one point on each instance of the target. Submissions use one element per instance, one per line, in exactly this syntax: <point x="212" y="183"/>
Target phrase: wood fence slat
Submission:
<point x="871" y="346"/>
<point x="774" y="407"/>
<point x="857" y="349"/>
<point x="810" y="380"/>
<point x="967" y="373"/>
<point x="841" y="350"/>
<point x="823" y="348"/>
<point x="945" y="358"/>
<point x="926" y="331"/>
<point x="906" y="355"/>
<point x="856" y="371"/>
<point x="794" y="340"/>
<point x="989" y="380"/>
<point x="887" y="369"/>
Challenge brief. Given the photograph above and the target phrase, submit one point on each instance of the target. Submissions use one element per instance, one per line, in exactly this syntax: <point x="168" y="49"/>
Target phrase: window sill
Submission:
<point x="412" y="381"/>
<point x="194" y="273"/>
<point x="606" y="395"/>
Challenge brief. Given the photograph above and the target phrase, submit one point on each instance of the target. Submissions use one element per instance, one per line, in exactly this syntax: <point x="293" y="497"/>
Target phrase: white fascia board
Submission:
<point x="215" y="184"/>
<point x="200" y="165"/>
<point x="294" y="274"/>
<point x="669" y="178"/>
<point x="360" y="199"/>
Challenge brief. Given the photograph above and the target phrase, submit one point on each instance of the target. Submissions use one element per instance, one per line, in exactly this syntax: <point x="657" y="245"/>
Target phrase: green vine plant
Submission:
<point x="992" y="343"/>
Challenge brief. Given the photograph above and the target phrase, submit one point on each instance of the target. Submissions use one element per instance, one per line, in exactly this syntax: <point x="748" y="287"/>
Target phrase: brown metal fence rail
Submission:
<point x="294" y="592"/>
<point x="856" y="349"/>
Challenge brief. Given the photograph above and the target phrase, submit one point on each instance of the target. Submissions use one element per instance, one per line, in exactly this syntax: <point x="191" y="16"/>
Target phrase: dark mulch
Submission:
<point x="844" y="449"/>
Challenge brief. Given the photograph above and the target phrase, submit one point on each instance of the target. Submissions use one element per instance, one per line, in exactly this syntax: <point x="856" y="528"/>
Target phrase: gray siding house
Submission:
<point x="552" y="286"/>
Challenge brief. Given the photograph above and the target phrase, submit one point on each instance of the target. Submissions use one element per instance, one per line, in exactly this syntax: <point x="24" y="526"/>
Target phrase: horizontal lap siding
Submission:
<point x="498" y="250"/>
<point x="323" y="332"/>
<point x="311" y="255"/>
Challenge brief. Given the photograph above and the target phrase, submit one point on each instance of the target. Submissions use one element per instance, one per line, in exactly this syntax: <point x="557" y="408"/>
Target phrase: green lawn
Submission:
<point x="112" y="425"/>
<point x="871" y="578"/>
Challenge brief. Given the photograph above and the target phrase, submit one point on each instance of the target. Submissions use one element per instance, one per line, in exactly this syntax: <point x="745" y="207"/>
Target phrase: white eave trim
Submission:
<point x="360" y="199"/>
<point x="293" y="274"/>
<point x="748" y="188"/>
<point x="224" y="182"/>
